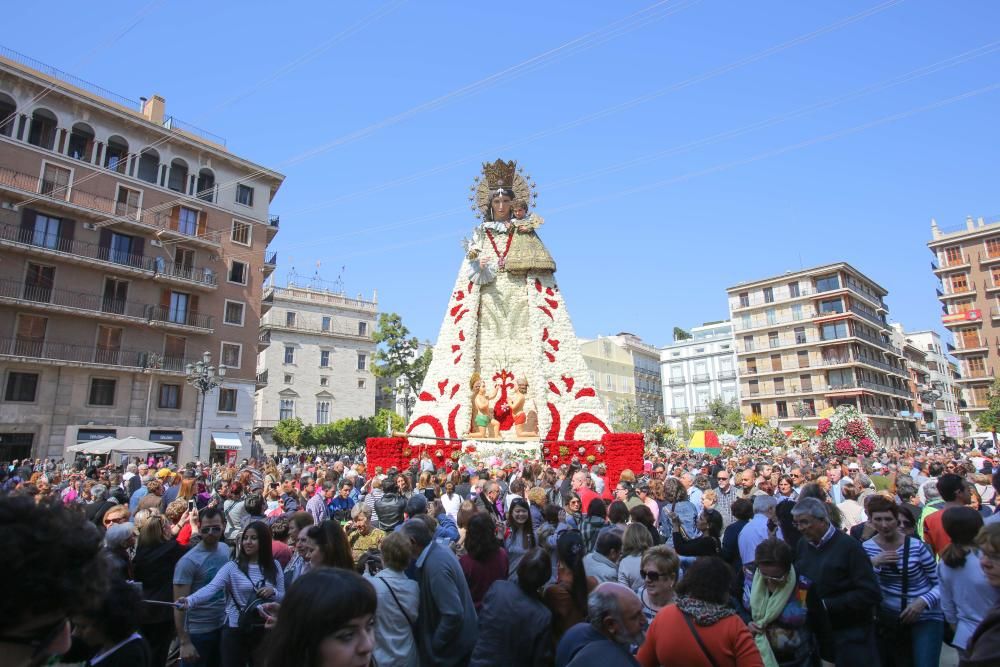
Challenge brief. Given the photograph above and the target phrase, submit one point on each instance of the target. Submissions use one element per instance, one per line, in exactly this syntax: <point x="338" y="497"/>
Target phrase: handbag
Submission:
<point x="889" y="627"/>
<point x="250" y="619"/>
<point x="697" y="638"/>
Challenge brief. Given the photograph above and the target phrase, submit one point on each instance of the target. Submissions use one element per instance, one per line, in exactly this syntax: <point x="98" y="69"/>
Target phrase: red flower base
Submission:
<point x="617" y="451"/>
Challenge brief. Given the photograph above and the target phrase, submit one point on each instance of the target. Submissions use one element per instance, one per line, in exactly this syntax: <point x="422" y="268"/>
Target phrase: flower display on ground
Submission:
<point x="823" y="426"/>
<point x="847" y="433"/>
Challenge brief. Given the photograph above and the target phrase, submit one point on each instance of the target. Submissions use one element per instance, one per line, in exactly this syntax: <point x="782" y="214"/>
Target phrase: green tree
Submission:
<point x="681" y="334"/>
<point x="990" y="420"/>
<point x="626" y="418"/>
<point x="721" y="417"/>
<point x="288" y="433"/>
<point x="397" y="355"/>
<point x="388" y="421"/>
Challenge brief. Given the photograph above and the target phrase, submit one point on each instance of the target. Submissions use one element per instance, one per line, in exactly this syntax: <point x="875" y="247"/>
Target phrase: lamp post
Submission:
<point x="931" y="396"/>
<point x="204" y="377"/>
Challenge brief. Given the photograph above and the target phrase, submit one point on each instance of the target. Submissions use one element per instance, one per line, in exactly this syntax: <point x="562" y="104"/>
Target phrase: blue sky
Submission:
<point x="679" y="147"/>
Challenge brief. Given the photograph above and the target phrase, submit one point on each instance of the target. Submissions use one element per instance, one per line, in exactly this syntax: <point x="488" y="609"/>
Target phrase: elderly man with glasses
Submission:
<point x="725" y="495"/>
<point x="201" y="632"/>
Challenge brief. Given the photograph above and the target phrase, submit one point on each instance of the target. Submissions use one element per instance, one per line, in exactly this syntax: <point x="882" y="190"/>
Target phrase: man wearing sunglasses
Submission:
<point x="200" y="634"/>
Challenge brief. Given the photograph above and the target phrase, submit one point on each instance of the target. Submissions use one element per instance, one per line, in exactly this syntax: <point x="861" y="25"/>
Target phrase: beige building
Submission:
<point x="316" y="357"/>
<point x="130" y="244"/>
<point x="611" y="370"/>
<point x="811" y="340"/>
<point x="967" y="262"/>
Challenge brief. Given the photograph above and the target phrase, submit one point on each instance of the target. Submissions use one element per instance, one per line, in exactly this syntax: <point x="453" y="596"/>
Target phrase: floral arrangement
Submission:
<point x="847" y="433"/>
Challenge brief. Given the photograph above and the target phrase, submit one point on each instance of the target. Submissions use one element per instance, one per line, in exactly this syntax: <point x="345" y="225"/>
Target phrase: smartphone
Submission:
<point x="191" y="505"/>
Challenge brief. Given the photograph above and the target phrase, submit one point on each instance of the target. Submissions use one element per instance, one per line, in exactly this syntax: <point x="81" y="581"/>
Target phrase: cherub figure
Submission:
<point x="517" y="409"/>
<point x="483" y="419"/>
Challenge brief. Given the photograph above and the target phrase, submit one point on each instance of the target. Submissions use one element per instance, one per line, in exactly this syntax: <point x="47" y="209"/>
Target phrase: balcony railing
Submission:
<point x="945" y="262"/>
<point x="157" y="265"/>
<point x="966" y="290"/>
<point x="73" y="194"/>
<point x="272" y="259"/>
<point x="759" y="300"/>
<point x="727" y="374"/>
<point x="856" y="287"/>
<point x="331" y="331"/>
<point x="701" y="377"/>
<point x="90" y="354"/>
<point x="262" y="379"/>
<point x="15" y="289"/>
<point x="273" y="221"/>
<point x="868" y="316"/>
<point x="968" y="344"/>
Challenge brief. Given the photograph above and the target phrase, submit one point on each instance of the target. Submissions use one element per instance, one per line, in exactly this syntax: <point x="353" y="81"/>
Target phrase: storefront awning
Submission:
<point x="227" y="441"/>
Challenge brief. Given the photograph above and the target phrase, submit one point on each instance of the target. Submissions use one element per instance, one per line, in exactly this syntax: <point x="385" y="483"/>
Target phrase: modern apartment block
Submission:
<point x="315" y="360"/>
<point x="646" y="378"/>
<point x="699" y="370"/>
<point x="130" y="244"/>
<point x="942" y="375"/>
<point x="808" y="341"/>
<point x="967" y="262"/>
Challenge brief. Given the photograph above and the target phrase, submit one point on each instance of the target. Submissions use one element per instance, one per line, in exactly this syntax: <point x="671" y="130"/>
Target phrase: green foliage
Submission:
<point x="663" y="435"/>
<point x="388" y="418"/>
<point x="396" y="355"/>
<point x="626" y="418"/>
<point x="990" y="420"/>
<point x="681" y="334"/>
<point x="348" y="433"/>
<point x="721" y="417"/>
<point x="288" y="433"/>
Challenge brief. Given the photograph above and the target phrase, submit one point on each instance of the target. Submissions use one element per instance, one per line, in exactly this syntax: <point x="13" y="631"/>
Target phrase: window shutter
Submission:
<point x="193" y="300"/>
<point x="67" y="228"/>
<point x="202" y="222"/>
<point x="28" y="218"/>
<point x="175" y="213"/>
<point x="165" y="298"/>
<point x="105" y="240"/>
<point x="138" y="245"/>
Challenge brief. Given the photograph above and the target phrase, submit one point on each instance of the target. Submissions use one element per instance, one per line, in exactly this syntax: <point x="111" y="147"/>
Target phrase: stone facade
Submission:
<point x="699" y="370"/>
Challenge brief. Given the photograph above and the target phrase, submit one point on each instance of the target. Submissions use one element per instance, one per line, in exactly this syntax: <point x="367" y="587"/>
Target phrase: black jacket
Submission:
<point x="389" y="509"/>
<point x="844" y="591"/>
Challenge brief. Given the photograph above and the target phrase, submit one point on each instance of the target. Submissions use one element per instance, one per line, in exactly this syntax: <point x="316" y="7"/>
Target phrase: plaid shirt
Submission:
<point x="724" y="504"/>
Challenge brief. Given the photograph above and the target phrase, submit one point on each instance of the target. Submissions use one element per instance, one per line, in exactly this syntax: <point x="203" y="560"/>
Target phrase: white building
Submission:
<point x="697" y="370"/>
<point x="942" y="374"/>
<point x="316" y="357"/>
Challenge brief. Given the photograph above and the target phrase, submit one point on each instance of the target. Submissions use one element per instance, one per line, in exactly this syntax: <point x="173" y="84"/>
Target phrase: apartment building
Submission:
<point x="611" y="370"/>
<point x="942" y="375"/>
<point x="699" y="370"/>
<point x="811" y="340"/>
<point x="646" y="382"/>
<point x="967" y="264"/>
<point x="315" y="359"/>
<point x="131" y="243"/>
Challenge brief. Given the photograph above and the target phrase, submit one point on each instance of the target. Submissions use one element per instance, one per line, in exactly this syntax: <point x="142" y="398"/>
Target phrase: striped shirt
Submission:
<point x="239" y="589"/>
<point x="922" y="578"/>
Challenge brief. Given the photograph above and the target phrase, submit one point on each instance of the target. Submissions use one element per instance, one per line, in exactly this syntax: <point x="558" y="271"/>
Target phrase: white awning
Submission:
<point x="227" y="441"/>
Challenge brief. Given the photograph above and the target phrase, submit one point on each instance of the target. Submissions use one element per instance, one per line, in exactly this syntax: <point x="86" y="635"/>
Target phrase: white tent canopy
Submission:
<point x="129" y="445"/>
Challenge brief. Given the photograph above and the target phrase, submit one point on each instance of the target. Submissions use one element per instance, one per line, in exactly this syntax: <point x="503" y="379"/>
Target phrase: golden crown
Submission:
<point x="499" y="174"/>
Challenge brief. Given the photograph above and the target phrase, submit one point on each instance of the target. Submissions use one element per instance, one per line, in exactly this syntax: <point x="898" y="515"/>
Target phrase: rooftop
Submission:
<point x="970" y="229"/>
<point x="805" y="273"/>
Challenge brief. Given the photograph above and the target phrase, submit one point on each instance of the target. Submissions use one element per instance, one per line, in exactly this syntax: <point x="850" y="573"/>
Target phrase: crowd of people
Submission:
<point x="784" y="560"/>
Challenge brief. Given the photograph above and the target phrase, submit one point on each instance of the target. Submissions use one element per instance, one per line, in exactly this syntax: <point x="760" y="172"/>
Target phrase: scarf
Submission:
<point x="704" y="613"/>
<point x="765" y="607"/>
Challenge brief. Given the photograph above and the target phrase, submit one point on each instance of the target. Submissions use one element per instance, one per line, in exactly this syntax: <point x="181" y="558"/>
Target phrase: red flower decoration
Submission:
<point x="823" y="426"/>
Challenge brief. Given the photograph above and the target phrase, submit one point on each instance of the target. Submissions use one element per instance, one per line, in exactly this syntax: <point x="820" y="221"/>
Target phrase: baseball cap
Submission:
<point x="852" y="466"/>
<point x="163" y="472"/>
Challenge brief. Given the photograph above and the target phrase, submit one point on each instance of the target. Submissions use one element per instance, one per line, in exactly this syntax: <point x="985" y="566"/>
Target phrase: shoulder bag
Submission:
<point x="889" y="627"/>
<point x="697" y="638"/>
<point x="413" y="626"/>
<point x="250" y="620"/>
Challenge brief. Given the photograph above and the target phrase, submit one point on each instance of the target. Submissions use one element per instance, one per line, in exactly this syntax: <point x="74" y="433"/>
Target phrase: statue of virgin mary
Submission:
<point x="507" y="321"/>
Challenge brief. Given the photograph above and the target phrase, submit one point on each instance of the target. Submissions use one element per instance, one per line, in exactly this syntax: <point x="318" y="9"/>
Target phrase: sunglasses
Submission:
<point x="651" y="575"/>
<point x="121" y="519"/>
<point x="722" y="479"/>
<point x="773" y="579"/>
<point x="210" y="529"/>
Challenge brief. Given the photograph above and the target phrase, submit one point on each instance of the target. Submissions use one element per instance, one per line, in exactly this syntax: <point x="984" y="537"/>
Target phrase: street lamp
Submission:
<point x="931" y="396"/>
<point x="204" y="377"/>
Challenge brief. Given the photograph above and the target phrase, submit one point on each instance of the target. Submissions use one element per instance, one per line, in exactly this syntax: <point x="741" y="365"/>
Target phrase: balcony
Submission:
<point x="339" y="332"/>
<point x="857" y="288"/>
<point x="97" y="306"/>
<point x="890" y="413"/>
<point x="988" y="257"/>
<point x="263" y="340"/>
<point x="957" y="292"/>
<point x="974" y="316"/>
<point x="272" y="226"/>
<point x="765" y="323"/>
<point x="727" y="374"/>
<point x="873" y="319"/>
<point x="969" y="346"/>
<point x="76" y="198"/>
<point x="270" y="263"/>
<point x="976" y="375"/>
<point x="779" y="343"/>
<point x="261" y="379"/>
<point x="27" y="239"/>
<point x="701" y="377"/>
<point x="945" y="264"/>
<point x="759" y="300"/>
<point x="851" y="359"/>
<point x="22" y="349"/>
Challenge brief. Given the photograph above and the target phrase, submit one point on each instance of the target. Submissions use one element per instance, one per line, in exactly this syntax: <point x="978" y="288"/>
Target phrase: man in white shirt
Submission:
<point x="755" y="532"/>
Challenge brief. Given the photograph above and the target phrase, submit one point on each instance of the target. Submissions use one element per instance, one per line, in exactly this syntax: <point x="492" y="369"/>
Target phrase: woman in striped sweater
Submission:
<point x="910" y="623"/>
<point x="254" y="574"/>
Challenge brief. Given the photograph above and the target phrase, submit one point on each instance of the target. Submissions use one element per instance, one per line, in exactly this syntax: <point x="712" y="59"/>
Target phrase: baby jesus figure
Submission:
<point x="517" y="409"/>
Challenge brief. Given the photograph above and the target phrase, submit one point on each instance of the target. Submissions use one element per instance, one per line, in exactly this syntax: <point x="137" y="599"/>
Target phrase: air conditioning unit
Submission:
<point x="156" y="243"/>
<point x="90" y="225"/>
<point x="10" y="206"/>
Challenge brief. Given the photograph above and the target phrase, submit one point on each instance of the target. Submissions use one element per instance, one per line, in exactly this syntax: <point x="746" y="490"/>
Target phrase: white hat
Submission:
<point x="852" y="466"/>
<point x="876" y="466"/>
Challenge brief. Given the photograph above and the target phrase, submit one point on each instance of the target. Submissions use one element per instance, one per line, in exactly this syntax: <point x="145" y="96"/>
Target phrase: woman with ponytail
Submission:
<point x="965" y="595"/>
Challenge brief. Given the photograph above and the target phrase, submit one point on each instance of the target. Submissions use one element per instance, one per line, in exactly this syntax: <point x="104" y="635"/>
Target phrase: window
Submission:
<point x="289" y="354"/>
<point x="625" y="388"/>
<point x="362" y="328"/>
<point x="324" y="381"/>
<point x="241" y="232"/>
<point x="775" y="362"/>
<point x="149" y="166"/>
<point x="324" y="358"/>
<point x="102" y="392"/>
<point x="109" y="345"/>
<point x="178" y="307"/>
<point x="286" y="408"/>
<point x="227" y="400"/>
<point x="803" y="359"/>
<point x="609" y="383"/>
<point x="174" y="348"/>
<point x="745" y="321"/>
<point x="361" y="383"/>
<point x="744" y="299"/>
<point x="748" y="343"/>
<point x="797" y="312"/>
<point x="55" y="181"/>
<point x="234" y="313"/>
<point x="238" y="272"/>
<point x="680" y="401"/>
<point x="751" y="366"/>
<point x="806" y="382"/>
<point x="116" y="155"/>
<point x="768" y="295"/>
<point x="993" y="247"/>
<point x="827" y="283"/>
<point x="322" y="412"/>
<point x="231" y="355"/>
<point x="8" y="114"/>
<point x="206" y="185"/>
<point x="46" y="232"/>
<point x="831" y="306"/>
<point x="779" y="385"/>
<point x="793" y="290"/>
<point x="754" y="387"/>
<point x="121" y="248"/>
<point x="184" y="261"/>
<point x="800" y="335"/>
<point x="782" y="409"/>
<point x="244" y="194"/>
<point x="772" y="316"/>
<point x="187" y="221"/>
<point x="177" y="178"/>
<point x="288" y="378"/>
<point x="325" y="325"/>
<point x="772" y="339"/>
<point x="809" y="407"/>
<point x="959" y="283"/>
<point x="42" y="131"/>
<point x="127" y="202"/>
<point x="38" y="282"/>
<point x="21" y="387"/>
<point x="30" y="337"/>
<point x="755" y="408"/>
<point x="290" y="319"/>
<point x="362" y="361"/>
<point x="953" y="255"/>
<point x="170" y="397"/>
<point x="833" y="330"/>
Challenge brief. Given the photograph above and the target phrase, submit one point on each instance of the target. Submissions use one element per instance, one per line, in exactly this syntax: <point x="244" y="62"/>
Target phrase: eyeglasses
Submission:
<point x="773" y="579"/>
<point x="722" y="479"/>
<point x="121" y="519"/>
<point x="574" y="502"/>
<point x="205" y="530"/>
<point x="651" y="575"/>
